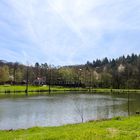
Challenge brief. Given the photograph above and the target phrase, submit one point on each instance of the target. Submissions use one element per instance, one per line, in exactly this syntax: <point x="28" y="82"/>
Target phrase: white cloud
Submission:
<point x="62" y="29"/>
<point x="92" y="14"/>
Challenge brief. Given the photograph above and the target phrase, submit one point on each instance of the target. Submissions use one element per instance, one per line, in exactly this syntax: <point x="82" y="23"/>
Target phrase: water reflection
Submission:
<point x="62" y="109"/>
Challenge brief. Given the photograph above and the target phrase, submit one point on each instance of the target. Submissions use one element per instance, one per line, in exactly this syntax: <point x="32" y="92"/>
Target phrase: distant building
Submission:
<point x="39" y="81"/>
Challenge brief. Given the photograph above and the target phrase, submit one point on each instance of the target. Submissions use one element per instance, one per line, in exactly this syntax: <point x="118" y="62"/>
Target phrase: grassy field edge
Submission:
<point x="118" y="128"/>
<point x="21" y="89"/>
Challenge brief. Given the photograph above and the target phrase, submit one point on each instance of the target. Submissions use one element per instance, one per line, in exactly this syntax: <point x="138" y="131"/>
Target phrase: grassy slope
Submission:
<point x="22" y="88"/>
<point x="59" y="88"/>
<point x="33" y="88"/>
<point x="116" y="129"/>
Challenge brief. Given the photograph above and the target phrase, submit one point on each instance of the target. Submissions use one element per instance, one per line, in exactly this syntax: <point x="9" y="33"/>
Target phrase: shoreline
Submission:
<point x="115" y="128"/>
<point x="35" y="89"/>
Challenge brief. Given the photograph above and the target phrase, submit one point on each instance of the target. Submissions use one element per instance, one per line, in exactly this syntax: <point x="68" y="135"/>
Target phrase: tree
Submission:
<point x="4" y="73"/>
<point x="67" y="75"/>
<point x="79" y="108"/>
<point x="37" y="69"/>
<point x="106" y="79"/>
<point x="14" y="71"/>
<point x="105" y="61"/>
<point x="19" y="75"/>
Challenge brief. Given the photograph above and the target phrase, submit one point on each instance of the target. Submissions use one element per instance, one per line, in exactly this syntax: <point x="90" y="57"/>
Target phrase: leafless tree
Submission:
<point x="79" y="109"/>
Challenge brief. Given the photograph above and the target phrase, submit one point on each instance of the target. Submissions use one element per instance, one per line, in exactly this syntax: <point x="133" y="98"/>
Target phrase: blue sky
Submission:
<point x="65" y="32"/>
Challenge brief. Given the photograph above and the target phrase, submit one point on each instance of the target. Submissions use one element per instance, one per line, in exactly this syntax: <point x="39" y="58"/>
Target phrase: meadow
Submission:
<point x="118" y="128"/>
<point x="20" y="90"/>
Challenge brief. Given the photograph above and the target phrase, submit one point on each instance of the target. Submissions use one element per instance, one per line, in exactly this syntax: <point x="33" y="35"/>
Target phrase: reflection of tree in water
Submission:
<point x="114" y="106"/>
<point x="79" y="108"/>
<point x="134" y="103"/>
<point x="103" y="108"/>
<point x="130" y="104"/>
<point x="102" y="112"/>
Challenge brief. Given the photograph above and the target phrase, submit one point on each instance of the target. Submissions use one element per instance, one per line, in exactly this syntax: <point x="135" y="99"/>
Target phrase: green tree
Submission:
<point x="106" y="79"/>
<point x="4" y="73"/>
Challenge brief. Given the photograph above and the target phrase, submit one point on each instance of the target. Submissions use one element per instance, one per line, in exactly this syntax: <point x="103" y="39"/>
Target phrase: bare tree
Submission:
<point x="79" y="109"/>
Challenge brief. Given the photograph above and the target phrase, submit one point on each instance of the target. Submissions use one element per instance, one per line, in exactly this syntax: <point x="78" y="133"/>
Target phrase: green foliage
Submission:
<point x="120" y="73"/>
<point x="4" y="73"/>
<point x="66" y="73"/>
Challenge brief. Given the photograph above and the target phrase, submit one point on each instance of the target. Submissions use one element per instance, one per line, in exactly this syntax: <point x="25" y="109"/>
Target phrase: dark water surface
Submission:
<point x="55" y="110"/>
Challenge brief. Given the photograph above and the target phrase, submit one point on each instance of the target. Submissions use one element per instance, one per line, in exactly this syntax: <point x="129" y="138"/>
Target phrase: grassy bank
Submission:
<point x="8" y="89"/>
<point x="119" y="128"/>
<point x="15" y="91"/>
<point x="18" y="89"/>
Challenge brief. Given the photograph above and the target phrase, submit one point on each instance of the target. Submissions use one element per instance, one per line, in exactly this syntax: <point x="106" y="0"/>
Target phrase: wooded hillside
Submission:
<point x="123" y="72"/>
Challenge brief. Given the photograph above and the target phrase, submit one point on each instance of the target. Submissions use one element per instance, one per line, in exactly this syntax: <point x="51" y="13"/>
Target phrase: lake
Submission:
<point x="60" y="109"/>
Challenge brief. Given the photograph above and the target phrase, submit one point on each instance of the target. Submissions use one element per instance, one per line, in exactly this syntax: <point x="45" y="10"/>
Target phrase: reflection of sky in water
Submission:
<point x="60" y="109"/>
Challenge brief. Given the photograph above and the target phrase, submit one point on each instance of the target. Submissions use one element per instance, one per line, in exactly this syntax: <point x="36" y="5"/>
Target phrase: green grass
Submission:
<point x="34" y="90"/>
<point x="119" y="128"/>
<point x="6" y="88"/>
<point x="9" y="91"/>
<point x="31" y="88"/>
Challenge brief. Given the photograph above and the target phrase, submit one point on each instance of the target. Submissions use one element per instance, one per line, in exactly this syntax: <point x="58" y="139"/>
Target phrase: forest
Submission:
<point x="119" y="73"/>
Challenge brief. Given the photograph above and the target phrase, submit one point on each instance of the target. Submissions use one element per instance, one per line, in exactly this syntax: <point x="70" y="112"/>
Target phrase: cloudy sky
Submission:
<point x="63" y="32"/>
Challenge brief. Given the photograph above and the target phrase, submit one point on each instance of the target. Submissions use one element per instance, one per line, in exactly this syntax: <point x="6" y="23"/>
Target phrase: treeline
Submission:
<point x="123" y="72"/>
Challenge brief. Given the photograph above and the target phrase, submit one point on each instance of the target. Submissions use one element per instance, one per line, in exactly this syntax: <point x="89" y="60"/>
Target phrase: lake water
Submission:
<point x="55" y="110"/>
